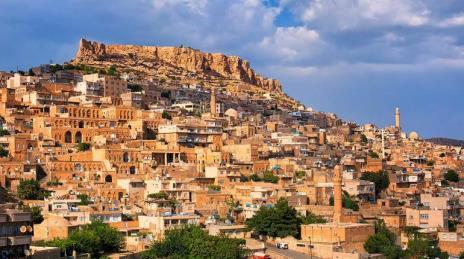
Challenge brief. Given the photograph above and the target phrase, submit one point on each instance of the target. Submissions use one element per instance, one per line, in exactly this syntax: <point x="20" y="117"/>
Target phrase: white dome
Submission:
<point x="231" y="113"/>
<point x="414" y="135"/>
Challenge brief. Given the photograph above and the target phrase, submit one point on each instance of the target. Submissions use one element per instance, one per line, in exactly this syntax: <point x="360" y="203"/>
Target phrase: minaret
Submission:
<point x="212" y="103"/>
<point x="337" y="186"/>
<point x="397" y="118"/>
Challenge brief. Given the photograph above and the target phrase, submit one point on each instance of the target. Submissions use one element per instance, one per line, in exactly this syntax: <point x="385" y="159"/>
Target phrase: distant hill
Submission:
<point x="181" y="65"/>
<point x="447" y="141"/>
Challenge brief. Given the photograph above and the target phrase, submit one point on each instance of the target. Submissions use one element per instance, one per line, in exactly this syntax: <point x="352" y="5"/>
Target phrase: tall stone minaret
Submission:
<point x="337" y="186"/>
<point x="397" y="118"/>
<point x="212" y="103"/>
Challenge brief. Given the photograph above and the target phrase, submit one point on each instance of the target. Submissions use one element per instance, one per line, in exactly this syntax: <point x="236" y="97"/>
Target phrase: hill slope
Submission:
<point x="181" y="65"/>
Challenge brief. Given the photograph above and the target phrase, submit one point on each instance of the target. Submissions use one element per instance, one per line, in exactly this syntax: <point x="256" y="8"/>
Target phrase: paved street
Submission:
<point x="287" y="253"/>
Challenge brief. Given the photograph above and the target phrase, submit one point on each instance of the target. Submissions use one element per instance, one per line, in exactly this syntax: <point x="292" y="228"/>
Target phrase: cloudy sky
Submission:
<point x="357" y="58"/>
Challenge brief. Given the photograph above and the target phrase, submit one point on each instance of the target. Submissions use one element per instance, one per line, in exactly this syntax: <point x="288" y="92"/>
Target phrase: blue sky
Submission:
<point x="357" y="58"/>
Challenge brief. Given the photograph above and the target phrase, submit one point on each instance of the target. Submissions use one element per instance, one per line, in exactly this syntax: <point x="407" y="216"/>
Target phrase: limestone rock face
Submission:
<point x="173" y="61"/>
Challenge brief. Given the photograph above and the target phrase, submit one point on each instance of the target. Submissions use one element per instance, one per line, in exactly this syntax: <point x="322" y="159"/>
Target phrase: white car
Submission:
<point x="282" y="245"/>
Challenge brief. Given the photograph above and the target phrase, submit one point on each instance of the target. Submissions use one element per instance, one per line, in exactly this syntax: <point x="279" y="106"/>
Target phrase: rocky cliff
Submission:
<point x="173" y="62"/>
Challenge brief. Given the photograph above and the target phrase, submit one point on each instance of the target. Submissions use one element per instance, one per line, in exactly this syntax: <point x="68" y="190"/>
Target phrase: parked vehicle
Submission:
<point x="281" y="245"/>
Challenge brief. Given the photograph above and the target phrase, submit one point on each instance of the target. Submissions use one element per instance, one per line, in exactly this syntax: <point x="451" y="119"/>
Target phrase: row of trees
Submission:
<point x="193" y="242"/>
<point x="266" y="176"/>
<point x="384" y="242"/>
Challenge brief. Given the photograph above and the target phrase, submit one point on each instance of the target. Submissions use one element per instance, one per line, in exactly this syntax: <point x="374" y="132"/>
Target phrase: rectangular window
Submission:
<point x="424" y="216"/>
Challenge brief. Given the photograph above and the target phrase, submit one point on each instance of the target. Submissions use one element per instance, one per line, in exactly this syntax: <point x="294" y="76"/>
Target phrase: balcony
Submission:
<point x="3" y="241"/>
<point x="19" y="216"/>
<point x="3" y="217"/>
<point x="19" y="240"/>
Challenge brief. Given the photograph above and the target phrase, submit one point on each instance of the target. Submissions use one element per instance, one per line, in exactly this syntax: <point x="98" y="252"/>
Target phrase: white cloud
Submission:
<point x="392" y="37"/>
<point x="196" y="6"/>
<point x="291" y="43"/>
<point x="457" y="20"/>
<point x="350" y="14"/>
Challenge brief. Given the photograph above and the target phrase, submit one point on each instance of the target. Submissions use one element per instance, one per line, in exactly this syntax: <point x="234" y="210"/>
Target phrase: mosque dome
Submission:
<point x="413" y="135"/>
<point x="231" y="113"/>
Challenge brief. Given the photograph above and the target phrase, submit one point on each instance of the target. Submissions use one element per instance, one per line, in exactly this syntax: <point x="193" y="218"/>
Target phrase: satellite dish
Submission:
<point x="23" y="229"/>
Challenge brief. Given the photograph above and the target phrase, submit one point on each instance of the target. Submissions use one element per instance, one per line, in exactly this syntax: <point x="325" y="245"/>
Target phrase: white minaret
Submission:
<point x="397" y="118"/>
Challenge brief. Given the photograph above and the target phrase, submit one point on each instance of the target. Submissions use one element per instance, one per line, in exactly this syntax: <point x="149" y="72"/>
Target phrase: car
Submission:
<point x="281" y="245"/>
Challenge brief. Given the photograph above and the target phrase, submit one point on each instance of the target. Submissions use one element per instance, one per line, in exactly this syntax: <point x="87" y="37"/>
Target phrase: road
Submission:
<point x="288" y="253"/>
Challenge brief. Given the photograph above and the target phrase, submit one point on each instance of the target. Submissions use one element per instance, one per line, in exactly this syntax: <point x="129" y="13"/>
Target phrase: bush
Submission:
<point x="373" y="154"/>
<point x="83" y="147"/>
<point x="192" y="242"/>
<point x="347" y="202"/>
<point x="4" y="132"/>
<point x="166" y="115"/>
<point x="4" y="152"/>
<point x="451" y="176"/>
<point x="84" y="199"/>
<point x="134" y="87"/>
<point x="269" y="177"/>
<point x="158" y="196"/>
<point x="380" y="179"/>
<point x="213" y="187"/>
<point x="30" y="190"/>
<point x="166" y="94"/>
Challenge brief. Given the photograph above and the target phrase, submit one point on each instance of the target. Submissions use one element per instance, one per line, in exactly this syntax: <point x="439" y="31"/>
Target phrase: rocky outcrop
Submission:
<point x="153" y="60"/>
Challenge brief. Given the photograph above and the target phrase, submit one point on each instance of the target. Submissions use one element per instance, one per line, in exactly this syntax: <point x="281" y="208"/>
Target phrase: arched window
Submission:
<point x="67" y="137"/>
<point x="78" y="137"/>
<point x="125" y="157"/>
<point x="108" y="179"/>
<point x="81" y="124"/>
<point x="132" y="170"/>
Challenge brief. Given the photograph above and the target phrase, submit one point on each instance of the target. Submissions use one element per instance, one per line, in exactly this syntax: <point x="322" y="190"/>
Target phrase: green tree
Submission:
<point x="158" y="196"/>
<point x="166" y="94"/>
<point x="83" y="147"/>
<point x="166" y="115"/>
<point x="30" y="190"/>
<point x="3" y="152"/>
<point x="373" y="154"/>
<point x="192" y="242"/>
<point x="36" y="212"/>
<point x="452" y="176"/>
<point x="300" y="174"/>
<point x="380" y="180"/>
<point x="312" y="218"/>
<point x="112" y="71"/>
<point x="134" y="87"/>
<point x="255" y="178"/>
<point x="347" y="202"/>
<point x="363" y="138"/>
<point x="383" y="241"/>
<point x="213" y="187"/>
<point x="4" y="132"/>
<point x="269" y="177"/>
<point x="280" y="220"/>
<point x="461" y="255"/>
<point x="84" y="199"/>
<point x="95" y="238"/>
